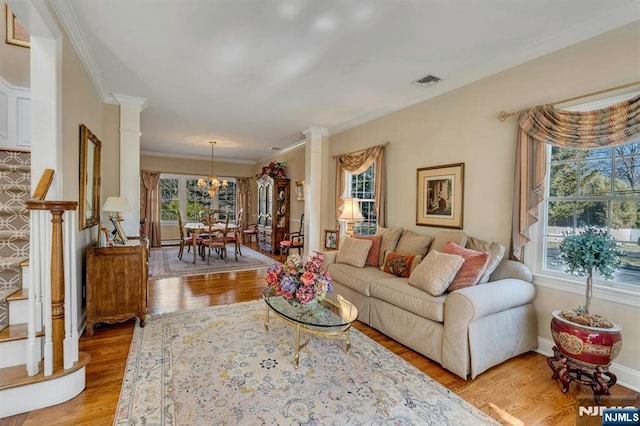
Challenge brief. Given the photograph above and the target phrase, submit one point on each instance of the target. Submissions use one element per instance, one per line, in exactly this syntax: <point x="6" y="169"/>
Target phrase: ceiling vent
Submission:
<point x="274" y="148"/>
<point x="427" y="80"/>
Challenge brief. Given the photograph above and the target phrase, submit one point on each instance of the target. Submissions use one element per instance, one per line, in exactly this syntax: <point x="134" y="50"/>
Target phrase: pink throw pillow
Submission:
<point x="374" y="251"/>
<point x="475" y="262"/>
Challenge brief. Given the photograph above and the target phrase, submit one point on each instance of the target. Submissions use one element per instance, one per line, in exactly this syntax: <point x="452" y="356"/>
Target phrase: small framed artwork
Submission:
<point x="16" y="33"/>
<point x="300" y="190"/>
<point x="440" y="193"/>
<point x="119" y="232"/>
<point x="331" y="239"/>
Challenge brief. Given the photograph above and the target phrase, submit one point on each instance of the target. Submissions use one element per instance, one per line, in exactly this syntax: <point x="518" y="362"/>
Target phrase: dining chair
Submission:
<point x="217" y="240"/>
<point x="293" y="240"/>
<point x="186" y="240"/>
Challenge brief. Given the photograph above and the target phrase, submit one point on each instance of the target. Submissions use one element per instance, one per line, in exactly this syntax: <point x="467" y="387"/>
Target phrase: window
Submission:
<point x="362" y="187"/>
<point x="182" y="193"/>
<point x="600" y="188"/>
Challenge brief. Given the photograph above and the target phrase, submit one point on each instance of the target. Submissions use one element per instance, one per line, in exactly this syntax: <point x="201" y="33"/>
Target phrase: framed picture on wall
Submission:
<point x="440" y="194"/>
<point x="331" y="239"/>
<point x="16" y="33"/>
<point x="300" y="190"/>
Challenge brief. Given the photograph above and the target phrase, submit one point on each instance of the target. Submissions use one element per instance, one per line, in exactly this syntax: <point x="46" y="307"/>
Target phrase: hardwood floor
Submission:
<point x="517" y="392"/>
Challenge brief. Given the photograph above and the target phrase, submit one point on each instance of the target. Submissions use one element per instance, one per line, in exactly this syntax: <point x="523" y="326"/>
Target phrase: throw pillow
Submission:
<point x="413" y="243"/>
<point x="399" y="264"/>
<point x="435" y="272"/>
<point x="389" y="241"/>
<point x="475" y="263"/>
<point x="496" y="250"/>
<point x="374" y="251"/>
<point x="443" y="237"/>
<point x="353" y="252"/>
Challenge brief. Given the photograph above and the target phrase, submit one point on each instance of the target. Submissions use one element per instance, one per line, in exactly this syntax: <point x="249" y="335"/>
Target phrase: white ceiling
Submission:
<point x="252" y="74"/>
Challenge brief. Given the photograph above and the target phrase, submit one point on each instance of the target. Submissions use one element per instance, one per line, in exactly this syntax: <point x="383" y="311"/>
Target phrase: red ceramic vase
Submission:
<point x="591" y="346"/>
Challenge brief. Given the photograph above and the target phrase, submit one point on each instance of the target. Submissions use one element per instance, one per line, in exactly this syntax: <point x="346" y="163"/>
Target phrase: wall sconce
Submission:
<point x="351" y="213"/>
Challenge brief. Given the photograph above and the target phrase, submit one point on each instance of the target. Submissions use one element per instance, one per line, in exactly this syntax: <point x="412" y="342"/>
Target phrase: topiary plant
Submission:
<point x="587" y="251"/>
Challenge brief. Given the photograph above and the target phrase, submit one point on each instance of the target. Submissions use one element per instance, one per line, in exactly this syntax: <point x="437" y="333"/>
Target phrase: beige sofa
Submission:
<point x="468" y="330"/>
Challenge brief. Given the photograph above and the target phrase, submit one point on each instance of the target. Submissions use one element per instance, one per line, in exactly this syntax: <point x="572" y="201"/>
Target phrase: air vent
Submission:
<point x="274" y="148"/>
<point x="427" y="80"/>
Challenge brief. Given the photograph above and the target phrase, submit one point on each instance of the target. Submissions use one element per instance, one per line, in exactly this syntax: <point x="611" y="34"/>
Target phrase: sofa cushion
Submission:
<point x="436" y="272"/>
<point x="413" y="243"/>
<point x="357" y="279"/>
<point x="443" y="237"/>
<point x="496" y="251"/>
<point x="353" y="252"/>
<point x="399" y="264"/>
<point x="398" y="292"/>
<point x="389" y="241"/>
<point x="374" y="251"/>
<point x="475" y="263"/>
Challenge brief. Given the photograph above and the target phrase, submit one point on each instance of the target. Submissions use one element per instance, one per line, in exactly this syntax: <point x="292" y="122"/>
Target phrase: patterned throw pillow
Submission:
<point x="475" y="263"/>
<point x="353" y="252"/>
<point x="400" y="265"/>
<point x="389" y="241"/>
<point x="374" y="251"/>
<point x="435" y="272"/>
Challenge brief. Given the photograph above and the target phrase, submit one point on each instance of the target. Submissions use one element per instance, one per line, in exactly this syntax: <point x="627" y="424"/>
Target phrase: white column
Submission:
<point x="316" y="139"/>
<point x="130" y="109"/>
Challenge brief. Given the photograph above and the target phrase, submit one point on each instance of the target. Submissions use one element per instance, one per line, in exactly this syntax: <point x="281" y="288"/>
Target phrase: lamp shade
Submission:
<point x="116" y="204"/>
<point x="351" y="210"/>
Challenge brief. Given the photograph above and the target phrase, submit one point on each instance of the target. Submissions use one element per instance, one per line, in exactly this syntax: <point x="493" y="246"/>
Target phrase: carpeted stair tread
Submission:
<point x="14" y="234"/>
<point x="15" y="167"/>
<point x="15" y="187"/>
<point x="14" y="210"/>
<point x="11" y="262"/>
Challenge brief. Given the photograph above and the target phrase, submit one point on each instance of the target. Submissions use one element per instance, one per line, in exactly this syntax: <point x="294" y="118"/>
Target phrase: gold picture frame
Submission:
<point x="440" y="196"/>
<point x="16" y="33"/>
<point x="89" y="202"/>
<point x="300" y="190"/>
<point x="331" y="239"/>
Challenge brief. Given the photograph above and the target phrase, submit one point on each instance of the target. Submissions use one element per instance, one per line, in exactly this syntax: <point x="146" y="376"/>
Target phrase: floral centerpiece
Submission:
<point x="299" y="282"/>
<point x="274" y="170"/>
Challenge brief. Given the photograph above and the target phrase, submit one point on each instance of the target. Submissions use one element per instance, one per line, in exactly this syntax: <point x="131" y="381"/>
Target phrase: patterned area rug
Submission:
<point x="218" y="366"/>
<point x="164" y="262"/>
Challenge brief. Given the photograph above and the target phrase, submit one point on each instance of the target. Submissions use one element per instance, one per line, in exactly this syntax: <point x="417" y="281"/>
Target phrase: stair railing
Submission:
<point x="53" y="275"/>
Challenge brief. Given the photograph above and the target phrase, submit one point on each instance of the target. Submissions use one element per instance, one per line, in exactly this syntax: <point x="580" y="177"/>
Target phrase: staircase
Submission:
<point x="40" y="364"/>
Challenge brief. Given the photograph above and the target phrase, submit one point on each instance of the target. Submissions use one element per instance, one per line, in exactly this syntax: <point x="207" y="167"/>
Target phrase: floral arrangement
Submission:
<point x="300" y="283"/>
<point x="274" y="170"/>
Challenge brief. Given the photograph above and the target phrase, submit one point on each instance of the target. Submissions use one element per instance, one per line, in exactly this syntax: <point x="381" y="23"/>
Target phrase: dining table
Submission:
<point x="196" y="228"/>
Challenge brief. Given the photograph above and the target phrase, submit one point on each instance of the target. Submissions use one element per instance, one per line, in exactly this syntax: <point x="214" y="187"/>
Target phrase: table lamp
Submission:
<point x="116" y="205"/>
<point x="351" y="213"/>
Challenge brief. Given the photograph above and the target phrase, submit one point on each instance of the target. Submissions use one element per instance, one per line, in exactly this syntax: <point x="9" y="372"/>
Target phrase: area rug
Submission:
<point x="164" y="262"/>
<point x="218" y="366"/>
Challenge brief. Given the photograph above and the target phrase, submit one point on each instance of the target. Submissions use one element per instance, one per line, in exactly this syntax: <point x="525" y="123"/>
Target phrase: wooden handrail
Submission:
<point x="51" y="205"/>
<point x="43" y="185"/>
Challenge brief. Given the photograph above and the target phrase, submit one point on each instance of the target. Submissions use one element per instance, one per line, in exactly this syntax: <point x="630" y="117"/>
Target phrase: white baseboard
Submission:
<point x="627" y="377"/>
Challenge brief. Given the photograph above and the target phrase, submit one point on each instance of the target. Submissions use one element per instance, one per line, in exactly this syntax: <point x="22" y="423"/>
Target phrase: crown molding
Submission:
<point x="140" y="103"/>
<point x="291" y="147"/>
<point x="69" y="21"/>
<point x="195" y="157"/>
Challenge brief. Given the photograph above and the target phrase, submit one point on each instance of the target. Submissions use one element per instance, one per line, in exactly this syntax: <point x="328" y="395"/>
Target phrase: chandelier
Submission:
<point x="212" y="184"/>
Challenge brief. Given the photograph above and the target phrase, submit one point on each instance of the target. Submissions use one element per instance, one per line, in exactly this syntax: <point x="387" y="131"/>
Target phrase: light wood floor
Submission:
<point x="517" y="392"/>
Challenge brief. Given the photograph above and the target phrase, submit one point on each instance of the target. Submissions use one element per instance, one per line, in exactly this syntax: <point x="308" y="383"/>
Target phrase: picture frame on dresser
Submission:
<point x="440" y="195"/>
<point x="120" y="235"/>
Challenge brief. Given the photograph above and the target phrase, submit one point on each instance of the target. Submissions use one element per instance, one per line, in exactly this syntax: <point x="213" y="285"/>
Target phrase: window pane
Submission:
<point x="592" y="213"/>
<point x="627" y="176"/>
<point x="625" y="215"/>
<point x="560" y="214"/>
<point x="362" y="186"/>
<point x="629" y="272"/>
<point x="595" y="178"/>
<point x="227" y="200"/>
<point x="197" y="199"/>
<point x="564" y="180"/>
<point x="169" y="199"/>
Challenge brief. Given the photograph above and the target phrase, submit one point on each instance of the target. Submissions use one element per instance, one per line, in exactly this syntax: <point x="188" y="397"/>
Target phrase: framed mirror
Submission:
<point x="89" y="202"/>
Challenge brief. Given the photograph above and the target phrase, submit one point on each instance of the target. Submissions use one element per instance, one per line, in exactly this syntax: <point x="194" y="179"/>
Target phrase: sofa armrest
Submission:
<point x="511" y="269"/>
<point x="486" y="299"/>
<point x="329" y="258"/>
<point x="468" y="304"/>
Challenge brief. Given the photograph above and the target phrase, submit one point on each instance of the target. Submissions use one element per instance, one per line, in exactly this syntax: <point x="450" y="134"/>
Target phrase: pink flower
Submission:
<point x="272" y="278"/>
<point x="308" y="278"/>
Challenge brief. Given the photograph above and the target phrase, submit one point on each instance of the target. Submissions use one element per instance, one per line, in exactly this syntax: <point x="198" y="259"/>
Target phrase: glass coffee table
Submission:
<point x="331" y="318"/>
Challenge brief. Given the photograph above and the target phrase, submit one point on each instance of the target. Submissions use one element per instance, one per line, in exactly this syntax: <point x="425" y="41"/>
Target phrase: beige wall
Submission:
<point x="461" y="126"/>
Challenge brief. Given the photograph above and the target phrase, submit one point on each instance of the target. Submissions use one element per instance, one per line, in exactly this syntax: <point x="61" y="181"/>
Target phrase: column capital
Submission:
<point x="322" y="131"/>
<point x="140" y="103"/>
